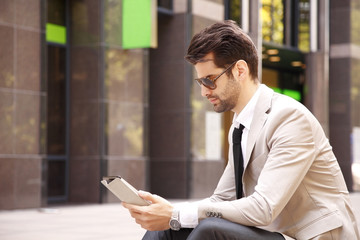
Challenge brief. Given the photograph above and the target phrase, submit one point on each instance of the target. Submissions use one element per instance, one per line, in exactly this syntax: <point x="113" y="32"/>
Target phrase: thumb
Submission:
<point x="153" y="198"/>
<point x="147" y="196"/>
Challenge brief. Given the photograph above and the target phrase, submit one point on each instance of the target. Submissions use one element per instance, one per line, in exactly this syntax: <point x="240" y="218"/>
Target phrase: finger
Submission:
<point x="124" y="204"/>
<point x="135" y="215"/>
<point x="144" y="194"/>
<point x="132" y="208"/>
<point x="148" y="196"/>
<point x="127" y="205"/>
<point x="153" y="198"/>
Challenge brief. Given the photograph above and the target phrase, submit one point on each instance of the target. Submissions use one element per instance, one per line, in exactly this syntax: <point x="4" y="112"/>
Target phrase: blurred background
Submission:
<point x="90" y="88"/>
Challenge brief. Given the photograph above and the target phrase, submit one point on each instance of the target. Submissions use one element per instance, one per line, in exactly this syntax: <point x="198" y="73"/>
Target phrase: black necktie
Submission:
<point x="238" y="160"/>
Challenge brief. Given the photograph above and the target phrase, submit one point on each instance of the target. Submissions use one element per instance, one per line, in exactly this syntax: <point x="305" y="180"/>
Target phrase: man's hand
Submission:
<point x="154" y="217"/>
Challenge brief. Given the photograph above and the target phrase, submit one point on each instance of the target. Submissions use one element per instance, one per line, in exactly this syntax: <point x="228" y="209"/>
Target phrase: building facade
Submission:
<point x="79" y="100"/>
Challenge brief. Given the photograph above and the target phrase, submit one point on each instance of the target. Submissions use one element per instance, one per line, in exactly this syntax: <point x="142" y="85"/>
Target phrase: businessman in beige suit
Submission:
<point x="282" y="180"/>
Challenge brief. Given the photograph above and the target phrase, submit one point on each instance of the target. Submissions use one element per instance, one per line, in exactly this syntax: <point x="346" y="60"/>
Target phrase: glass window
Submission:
<point x="355" y="120"/>
<point x="56" y="12"/>
<point x="304" y="25"/>
<point x="56" y="183"/>
<point x="287" y="83"/>
<point x="233" y="10"/>
<point x="124" y="84"/>
<point x="283" y="70"/>
<point x="56" y="113"/>
<point x="57" y="97"/>
<point x="56" y="123"/>
<point x="272" y="16"/>
<point x="166" y="4"/>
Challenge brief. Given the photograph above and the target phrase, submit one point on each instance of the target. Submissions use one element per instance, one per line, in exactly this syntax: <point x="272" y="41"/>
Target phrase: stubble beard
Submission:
<point x="223" y="106"/>
<point x="227" y="104"/>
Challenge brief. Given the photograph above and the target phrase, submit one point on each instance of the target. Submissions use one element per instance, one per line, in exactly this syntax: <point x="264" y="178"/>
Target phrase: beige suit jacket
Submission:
<point x="292" y="181"/>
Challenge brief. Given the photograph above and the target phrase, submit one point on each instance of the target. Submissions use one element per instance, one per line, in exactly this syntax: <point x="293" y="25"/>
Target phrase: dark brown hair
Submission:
<point x="228" y="42"/>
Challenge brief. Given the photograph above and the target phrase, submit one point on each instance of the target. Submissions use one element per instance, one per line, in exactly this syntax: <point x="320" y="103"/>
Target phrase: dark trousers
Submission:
<point x="214" y="229"/>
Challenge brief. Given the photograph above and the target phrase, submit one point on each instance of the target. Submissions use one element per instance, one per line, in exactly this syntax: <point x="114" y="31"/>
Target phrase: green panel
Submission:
<point x="136" y="24"/>
<point x="55" y="33"/>
<point x="292" y="93"/>
<point x="278" y="90"/>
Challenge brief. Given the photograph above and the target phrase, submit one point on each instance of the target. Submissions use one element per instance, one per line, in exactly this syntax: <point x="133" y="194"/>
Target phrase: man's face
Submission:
<point x="226" y="95"/>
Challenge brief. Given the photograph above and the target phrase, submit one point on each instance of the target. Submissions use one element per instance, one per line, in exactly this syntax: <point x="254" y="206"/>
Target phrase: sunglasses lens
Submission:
<point x="208" y="83"/>
<point x="199" y="81"/>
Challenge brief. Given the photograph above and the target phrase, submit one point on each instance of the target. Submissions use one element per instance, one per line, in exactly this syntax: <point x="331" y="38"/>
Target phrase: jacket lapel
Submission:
<point x="259" y="119"/>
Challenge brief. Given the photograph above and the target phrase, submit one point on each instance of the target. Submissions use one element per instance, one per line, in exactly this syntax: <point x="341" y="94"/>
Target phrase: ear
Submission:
<point x="241" y="69"/>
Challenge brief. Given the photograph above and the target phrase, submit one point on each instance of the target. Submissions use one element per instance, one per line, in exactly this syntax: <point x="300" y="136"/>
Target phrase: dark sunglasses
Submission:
<point x="208" y="83"/>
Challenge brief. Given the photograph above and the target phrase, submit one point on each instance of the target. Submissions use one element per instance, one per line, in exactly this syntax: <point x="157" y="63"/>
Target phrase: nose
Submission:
<point x="205" y="91"/>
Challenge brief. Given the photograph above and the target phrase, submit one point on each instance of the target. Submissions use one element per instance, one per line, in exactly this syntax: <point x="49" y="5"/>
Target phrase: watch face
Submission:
<point x="175" y="224"/>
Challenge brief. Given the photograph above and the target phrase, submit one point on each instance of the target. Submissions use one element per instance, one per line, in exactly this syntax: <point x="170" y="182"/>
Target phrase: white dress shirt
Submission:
<point x="189" y="211"/>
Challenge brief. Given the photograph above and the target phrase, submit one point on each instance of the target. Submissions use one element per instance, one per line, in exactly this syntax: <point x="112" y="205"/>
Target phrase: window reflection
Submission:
<point x="234" y="11"/>
<point x="304" y="25"/>
<point x="272" y="16"/>
<point x="112" y="22"/>
<point x="124" y="81"/>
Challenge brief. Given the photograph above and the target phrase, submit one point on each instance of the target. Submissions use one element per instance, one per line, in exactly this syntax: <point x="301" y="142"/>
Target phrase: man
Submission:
<point x="282" y="180"/>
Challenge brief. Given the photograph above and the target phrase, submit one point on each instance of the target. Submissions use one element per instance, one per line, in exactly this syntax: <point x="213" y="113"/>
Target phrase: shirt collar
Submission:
<point x="246" y="115"/>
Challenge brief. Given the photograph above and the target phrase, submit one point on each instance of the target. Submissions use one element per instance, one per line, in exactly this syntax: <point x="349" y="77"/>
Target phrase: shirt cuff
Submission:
<point x="188" y="214"/>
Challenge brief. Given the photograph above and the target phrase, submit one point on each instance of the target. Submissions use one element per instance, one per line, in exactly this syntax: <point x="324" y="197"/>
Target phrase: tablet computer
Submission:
<point x="123" y="190"/>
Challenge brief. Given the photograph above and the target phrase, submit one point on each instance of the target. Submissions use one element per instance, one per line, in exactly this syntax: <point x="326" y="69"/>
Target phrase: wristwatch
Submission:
<point x="174" y="221"/>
